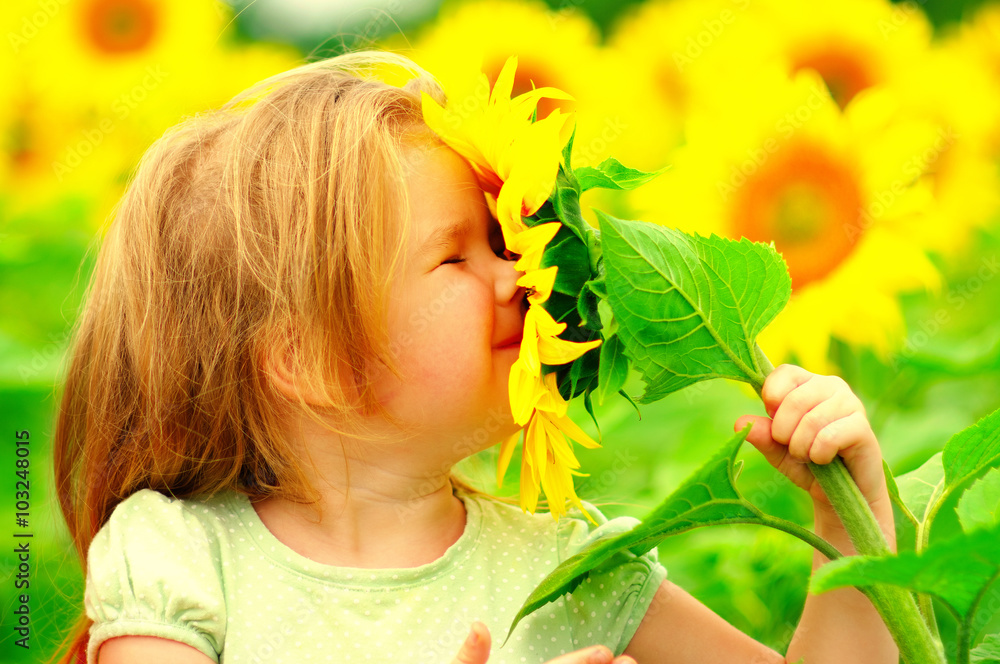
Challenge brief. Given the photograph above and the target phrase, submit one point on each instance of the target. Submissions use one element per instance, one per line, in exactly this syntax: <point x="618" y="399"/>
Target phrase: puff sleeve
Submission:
<point x="154" y="569"/>
<point x="609" y="605"/>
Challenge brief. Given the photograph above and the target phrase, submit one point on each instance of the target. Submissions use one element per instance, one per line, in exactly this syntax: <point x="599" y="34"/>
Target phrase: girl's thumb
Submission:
<point x="760" y="434"/>
<point x="476" y="648"/>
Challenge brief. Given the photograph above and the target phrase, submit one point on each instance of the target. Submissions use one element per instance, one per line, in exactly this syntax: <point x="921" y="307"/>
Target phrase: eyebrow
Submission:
<point x="445" y="235"/>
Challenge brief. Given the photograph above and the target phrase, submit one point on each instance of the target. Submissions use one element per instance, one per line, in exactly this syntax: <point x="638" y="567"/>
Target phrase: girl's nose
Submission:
<point x="505" y="281"/>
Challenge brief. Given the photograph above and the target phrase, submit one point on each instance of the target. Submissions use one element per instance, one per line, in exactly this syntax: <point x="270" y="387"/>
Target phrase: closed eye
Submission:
<point x="453" y="259"/>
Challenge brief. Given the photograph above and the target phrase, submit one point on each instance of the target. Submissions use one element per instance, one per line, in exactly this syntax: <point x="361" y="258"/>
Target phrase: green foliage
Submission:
<point x="610" y="174"/>
<point x="979" y="506"/>
<point x="987" y="652"/>
<point x="956" y="571"/>
<point x="690" y="308"/>
<point x="917" y="490"/>
<point x="708" y="497"/>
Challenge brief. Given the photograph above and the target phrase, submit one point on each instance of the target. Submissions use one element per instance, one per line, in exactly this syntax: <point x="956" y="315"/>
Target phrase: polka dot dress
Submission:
<point x="208" y="573"/>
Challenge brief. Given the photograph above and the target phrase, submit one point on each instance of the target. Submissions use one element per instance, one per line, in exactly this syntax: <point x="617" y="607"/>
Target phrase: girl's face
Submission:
<point x="456" y="314"/>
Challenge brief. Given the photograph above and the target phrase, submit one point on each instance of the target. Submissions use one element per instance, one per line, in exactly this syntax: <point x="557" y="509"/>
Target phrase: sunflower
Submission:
<point x="833" y="190"/>
<point x="555" y="49"/>
<point x="547" y="457"/>
<point x="103" y="79"/>
<point x="854" y="45"/>
<point x="516" y="158"/>
<point x="677" y="54"/>
<point x="953" y="90"/>
<point x="979" y="43"/>
<point x="103" y="49"/>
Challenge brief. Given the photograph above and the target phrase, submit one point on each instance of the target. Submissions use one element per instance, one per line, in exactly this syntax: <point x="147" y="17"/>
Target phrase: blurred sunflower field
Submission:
<point x="862" y="137"/>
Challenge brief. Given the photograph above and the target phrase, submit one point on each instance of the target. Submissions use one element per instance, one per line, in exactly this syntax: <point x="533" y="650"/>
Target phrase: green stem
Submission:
<point x="963" y="643"/>
<point x="897" y="606"/>
<point x="926" y="606"/>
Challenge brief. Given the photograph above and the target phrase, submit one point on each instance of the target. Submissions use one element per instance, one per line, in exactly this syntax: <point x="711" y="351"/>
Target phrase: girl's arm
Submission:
<point x="814" y="418"/>
<point x="149" y="650"/>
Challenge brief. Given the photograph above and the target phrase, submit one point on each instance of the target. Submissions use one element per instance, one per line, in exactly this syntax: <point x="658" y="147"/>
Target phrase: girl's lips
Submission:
<point x="511" y="342"/>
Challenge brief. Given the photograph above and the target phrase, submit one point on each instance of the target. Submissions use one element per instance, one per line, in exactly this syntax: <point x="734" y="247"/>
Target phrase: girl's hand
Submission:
<point x="815" y="418"/>
<point x="476" y="650"/>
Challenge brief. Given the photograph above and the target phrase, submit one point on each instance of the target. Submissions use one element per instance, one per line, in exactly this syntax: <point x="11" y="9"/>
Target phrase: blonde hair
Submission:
<point x="271" y="227"/>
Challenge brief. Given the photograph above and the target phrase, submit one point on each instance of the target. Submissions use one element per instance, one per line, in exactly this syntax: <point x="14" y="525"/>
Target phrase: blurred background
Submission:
<point x="862" y="137"/>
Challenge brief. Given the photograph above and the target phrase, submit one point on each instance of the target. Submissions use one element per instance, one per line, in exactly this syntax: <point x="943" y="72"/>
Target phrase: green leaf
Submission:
<point x="919" y="489"/>
<point x="629" y="399"/>
<point x="586" y="306"/>
<point x="570" y="254"/>
<point x="972" y="449"/>
<point x="987" y="652"/>
<point x="893" y="488"/>
<point x="589" y="406"/>
<point x="568" y="152"/>
<point x="955" y="570"/>
<point x="610" y="174"/>
<point x="979" y="506"/>
<point x="689" y="308"/>
<point x="613" y="370"/>
<point x="965" y="455"/>
<point x="707" y="497"/>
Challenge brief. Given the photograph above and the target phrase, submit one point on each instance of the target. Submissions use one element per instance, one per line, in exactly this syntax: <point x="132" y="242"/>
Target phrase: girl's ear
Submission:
<point x="291" y="374"/>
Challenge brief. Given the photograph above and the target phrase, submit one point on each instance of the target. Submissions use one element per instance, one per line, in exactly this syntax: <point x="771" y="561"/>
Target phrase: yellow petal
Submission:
<point x="553" y="350"/>
<point x="530" y="475"/>
<point x="525" y="390"/>
<point x="530" y="244"/>
<point x="506" y="452"/>
<point x="542" y="281"/>
<point x="551" y="400"/>
<point x="569" y="427"/>
<point x="529" y="345"/>
<point x="543" y="322"/>
<point x="505" y="82"/>
<point x="557" y="443"/>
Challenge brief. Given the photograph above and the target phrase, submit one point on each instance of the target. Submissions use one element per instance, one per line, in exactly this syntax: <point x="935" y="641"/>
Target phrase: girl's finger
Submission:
<point x="799" y="401"/>
<point x="803" y="444"/>
<point x="775" y="452"/>
<point x="779" y="383"/>
<point x="592" y="655"/>
<point x="476" y="648"/>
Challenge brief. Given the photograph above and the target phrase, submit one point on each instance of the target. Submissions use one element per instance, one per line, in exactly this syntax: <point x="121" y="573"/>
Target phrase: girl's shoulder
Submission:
<point x="573" y="532"/>
<point x="148" y="506"/>
<point x="155" y="568"/>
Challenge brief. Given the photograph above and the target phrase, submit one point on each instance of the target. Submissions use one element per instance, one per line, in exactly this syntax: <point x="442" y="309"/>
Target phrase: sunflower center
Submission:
<point x="120" y="26"/>
<point x="528" y="76"/>
<point x="669" y="83"/>
<point x="807" y="203"/>
<point x="844" y="71"/>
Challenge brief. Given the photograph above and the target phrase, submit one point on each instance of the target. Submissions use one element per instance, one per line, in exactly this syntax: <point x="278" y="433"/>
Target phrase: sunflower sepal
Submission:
<point x="613" y="369"/>
<point x="612" y="174"/>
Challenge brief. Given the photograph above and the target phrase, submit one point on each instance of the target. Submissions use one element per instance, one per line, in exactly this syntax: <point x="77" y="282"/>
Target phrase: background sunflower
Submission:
<point x="862" y="137"/>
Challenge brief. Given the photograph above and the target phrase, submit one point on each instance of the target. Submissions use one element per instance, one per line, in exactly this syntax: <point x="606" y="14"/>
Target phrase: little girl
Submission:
<point x="301" y="318"/>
